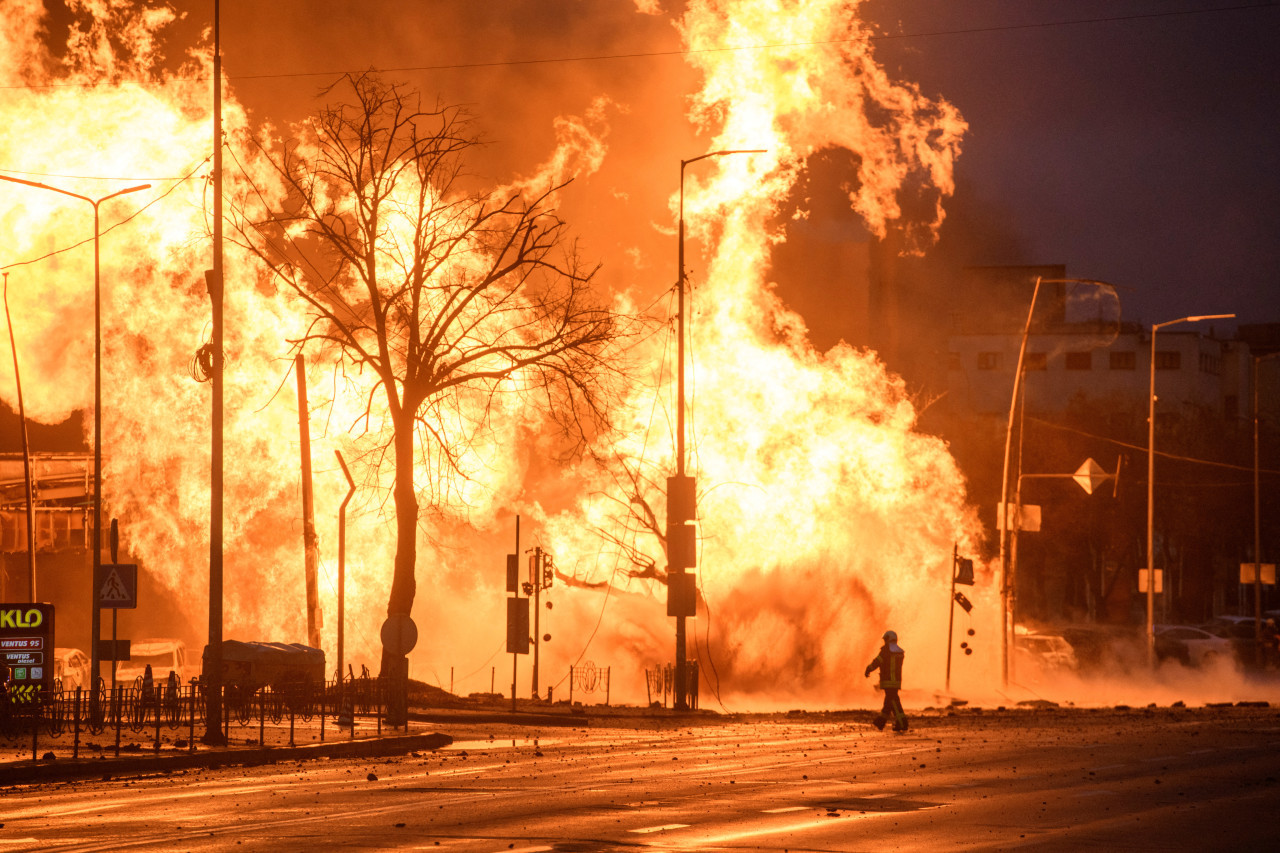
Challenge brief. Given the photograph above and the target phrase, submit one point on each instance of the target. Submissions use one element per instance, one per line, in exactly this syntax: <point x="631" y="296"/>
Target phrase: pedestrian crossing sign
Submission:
<point x="117" y="586"/>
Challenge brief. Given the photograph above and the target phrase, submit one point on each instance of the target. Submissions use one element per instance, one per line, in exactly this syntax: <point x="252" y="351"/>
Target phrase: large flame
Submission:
<point x="825" y="517"/>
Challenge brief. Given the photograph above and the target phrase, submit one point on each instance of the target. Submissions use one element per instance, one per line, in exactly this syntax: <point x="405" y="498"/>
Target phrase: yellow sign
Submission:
<point x="19" y="618"/>
<point x="20" y="693"/>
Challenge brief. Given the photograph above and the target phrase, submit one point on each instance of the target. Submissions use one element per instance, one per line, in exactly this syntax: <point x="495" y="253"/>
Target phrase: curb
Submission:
<point x="514" y="718"/>
<point x="36" y="772"/>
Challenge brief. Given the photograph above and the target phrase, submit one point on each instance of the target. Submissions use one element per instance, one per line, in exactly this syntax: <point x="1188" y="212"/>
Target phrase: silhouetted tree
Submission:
<point x="448" y="294"/>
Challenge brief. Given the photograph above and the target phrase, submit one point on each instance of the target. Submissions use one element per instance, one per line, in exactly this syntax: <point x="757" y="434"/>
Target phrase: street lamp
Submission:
<point x="96" y="624"/>
<point x="1151" y="478"/>
<point x="680" y="484"/>
<point x="1004" y="518"/>
<point x="26" y="454"/>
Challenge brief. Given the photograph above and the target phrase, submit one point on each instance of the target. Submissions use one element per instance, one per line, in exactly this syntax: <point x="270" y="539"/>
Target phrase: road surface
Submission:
<point x="1127" y="779"/>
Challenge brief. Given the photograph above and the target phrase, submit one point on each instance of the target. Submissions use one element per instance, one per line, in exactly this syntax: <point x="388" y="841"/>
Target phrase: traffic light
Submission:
<point x="682" y="546"/>
<point x="513" y="573"/>
<point x="518" y="626"/>
<point x="682" y="597"/>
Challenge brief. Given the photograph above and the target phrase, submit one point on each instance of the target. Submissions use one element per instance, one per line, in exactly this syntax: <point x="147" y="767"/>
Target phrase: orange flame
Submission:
<point x="825" y="517"/>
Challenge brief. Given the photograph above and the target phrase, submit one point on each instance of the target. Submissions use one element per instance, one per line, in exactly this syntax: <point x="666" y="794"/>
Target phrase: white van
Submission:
<point x="71" y="667"/>
<point x="164" y="655"/>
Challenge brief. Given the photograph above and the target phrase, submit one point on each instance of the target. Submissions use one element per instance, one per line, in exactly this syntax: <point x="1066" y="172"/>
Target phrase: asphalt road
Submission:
<point x="1147" y="779"/>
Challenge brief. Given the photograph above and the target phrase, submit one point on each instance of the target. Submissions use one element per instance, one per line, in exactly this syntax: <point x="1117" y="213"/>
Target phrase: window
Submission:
<point x="1209" y="363"/>
<point x="1035" y="361"/>
<point x="1168" y="360"/>
<point x="988" y="361"/>
<point x="1079" y="361"/>
<point x="1124" y="360"/>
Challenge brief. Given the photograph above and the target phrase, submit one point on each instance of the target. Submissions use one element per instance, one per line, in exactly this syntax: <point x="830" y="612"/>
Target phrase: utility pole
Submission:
<point x="310" y="549"/>
<point x="26" y="454"/>
<point x="213" y="665"/>
<point x="540" y="573"/>
<point x="682" y="489"/>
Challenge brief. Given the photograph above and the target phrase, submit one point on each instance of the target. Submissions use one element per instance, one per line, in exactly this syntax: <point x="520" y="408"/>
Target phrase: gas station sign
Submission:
<point x="26" y="649"/>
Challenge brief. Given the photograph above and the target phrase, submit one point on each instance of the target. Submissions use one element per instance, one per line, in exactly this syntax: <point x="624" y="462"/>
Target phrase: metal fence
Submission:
<point x="179" y="711"/>
<point x="660" y="684"/>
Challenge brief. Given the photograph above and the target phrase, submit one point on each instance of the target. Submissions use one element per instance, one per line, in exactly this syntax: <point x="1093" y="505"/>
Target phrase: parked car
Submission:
<point x="73" y="668"/>
<point x="162" y="654"/>
<point x="1240" y="631"/>
<point x="1046" y="652"/>
<point x="1190" y="645"/>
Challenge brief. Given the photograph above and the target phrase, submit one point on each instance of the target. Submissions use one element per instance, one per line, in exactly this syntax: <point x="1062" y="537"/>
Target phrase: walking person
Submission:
<point x="889" y="662"/>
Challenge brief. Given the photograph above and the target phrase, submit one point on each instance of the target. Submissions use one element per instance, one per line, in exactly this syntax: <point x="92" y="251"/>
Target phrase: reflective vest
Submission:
<point x="889" y="662"/>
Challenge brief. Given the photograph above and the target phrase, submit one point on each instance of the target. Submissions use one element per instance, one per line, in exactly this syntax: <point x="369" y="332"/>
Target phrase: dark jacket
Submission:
<point x="889" y="662"/>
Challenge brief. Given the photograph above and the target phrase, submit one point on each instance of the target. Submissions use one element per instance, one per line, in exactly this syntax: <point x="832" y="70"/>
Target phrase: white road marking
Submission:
<point x="662" y="828"/>
<point x="786" y="809"/>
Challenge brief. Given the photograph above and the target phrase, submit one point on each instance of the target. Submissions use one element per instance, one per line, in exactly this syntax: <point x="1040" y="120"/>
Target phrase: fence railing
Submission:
<point x="660" y="684"/>
<point x="177" y="711"/>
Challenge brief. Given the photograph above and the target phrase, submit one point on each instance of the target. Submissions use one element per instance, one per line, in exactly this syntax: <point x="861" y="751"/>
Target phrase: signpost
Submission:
<point x="117" y="588"/>
<point x="399" y="636"/>
<point x="961" y="573"/>
<point x="26" y="647"/>
<point x="517" y="616"/>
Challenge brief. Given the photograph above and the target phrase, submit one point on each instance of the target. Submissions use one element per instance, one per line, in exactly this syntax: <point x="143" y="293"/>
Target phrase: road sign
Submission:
<point x="26" y="648"/>
<point x="1027" y="521"/>
<point x="117" y="586"/>
<point x="1142" y="581"/>
<point x="1248" y="574"/>
<point x="399" y="634"/>
<point x="1090" y="475"/>
<point x="113" y="650"/>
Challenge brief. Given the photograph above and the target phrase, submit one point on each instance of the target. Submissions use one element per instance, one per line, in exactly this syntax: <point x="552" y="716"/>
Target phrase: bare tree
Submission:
<point x="448" y="294"/>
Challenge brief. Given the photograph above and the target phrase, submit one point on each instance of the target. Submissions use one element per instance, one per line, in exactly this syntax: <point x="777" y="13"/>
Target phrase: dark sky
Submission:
<point x="1137" y="146"/>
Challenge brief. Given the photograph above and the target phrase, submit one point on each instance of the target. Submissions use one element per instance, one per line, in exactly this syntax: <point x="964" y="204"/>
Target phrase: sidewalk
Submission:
<point x="95" y="756"/>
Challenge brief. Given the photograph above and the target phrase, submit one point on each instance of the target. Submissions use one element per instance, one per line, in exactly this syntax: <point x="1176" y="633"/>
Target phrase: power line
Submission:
<point x="1162" y="454"/>
<point x="658" y="54"/>
<point x="176" y="183"/>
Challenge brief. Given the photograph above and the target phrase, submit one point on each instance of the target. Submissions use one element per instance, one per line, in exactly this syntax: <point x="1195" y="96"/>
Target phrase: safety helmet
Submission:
<point x="891" y="636"/>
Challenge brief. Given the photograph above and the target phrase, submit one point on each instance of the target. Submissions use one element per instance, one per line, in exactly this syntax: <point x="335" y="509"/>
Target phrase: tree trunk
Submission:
<point x="403" y="582"/>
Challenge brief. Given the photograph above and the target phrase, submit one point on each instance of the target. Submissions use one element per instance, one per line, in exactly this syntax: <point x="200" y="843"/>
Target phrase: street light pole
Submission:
<point x="26" y="454"/>
<point x="1257" y="514"/>
<point x="1151" y="478"/>
<point x="214" y="278"/>
<point x="95" y="616"/>
<point x="1004" y="518"/>
<point x="681" y="702"/>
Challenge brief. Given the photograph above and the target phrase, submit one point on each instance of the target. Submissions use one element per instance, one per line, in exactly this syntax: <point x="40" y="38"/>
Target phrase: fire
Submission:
<point x="824" y="515"/>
